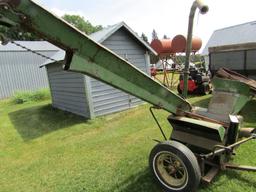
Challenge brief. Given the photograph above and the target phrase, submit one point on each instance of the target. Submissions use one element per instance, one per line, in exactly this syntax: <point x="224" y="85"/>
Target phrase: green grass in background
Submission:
<point x="43" y="149"/>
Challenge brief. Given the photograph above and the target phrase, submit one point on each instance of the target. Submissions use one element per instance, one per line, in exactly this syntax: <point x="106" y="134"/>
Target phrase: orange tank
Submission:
<point x="179" y="44"/>
<point x="162" y="47"/>
<point x="196" y="44"/>
<point x="166" y="47"/>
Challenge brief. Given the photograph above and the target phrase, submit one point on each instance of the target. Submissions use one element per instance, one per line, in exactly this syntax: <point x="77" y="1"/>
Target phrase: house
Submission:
<point x="19" y="68"/>
<point x="88" y="97"/>
<point x="234" y="48"/>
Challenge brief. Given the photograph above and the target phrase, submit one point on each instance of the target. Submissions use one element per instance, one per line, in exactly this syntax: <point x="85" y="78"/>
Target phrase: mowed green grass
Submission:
<point x="43" y="149"/>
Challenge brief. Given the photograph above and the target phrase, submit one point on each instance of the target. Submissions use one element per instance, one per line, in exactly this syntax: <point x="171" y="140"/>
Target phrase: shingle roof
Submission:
<point x="238" y="34"/>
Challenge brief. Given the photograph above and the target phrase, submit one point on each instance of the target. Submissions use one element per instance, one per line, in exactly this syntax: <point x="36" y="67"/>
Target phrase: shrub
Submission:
<point x="27" y="96"/>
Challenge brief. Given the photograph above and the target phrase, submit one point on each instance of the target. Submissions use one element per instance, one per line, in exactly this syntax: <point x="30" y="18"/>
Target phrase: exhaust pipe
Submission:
<point x="203" y="8"/>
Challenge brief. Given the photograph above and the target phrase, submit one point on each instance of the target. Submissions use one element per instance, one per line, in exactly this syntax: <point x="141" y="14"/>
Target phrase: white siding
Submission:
<point x="68" y="90"/>
<point x="107" y="99"/>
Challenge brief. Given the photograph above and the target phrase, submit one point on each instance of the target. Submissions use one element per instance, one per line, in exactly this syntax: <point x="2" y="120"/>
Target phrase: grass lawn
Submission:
<point x="43" y="149"/>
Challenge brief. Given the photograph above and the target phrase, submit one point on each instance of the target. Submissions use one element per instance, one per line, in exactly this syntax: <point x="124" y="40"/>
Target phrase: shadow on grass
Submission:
<point x="34" y="122"/>
<point x="231" y="175"/>
<point x="143" y="182"/>
<point x="248" y="181"/>
<point x="235" y="175"/>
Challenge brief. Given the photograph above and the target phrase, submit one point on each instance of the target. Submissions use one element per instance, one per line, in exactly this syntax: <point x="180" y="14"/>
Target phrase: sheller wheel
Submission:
<point x="175" y="167"/>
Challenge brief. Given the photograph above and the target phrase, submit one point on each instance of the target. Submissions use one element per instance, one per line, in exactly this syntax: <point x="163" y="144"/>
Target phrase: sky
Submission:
<point x="169" y="17"/>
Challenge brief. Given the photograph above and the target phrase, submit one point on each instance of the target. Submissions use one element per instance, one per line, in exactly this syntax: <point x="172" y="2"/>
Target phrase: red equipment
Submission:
<point x="191" y="86"/>
<point x="198" y="82"/>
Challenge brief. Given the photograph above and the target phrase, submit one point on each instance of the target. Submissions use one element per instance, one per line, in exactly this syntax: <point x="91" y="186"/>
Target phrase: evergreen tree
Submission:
<point x="144" y="37"/>
<point x="154" y="35"/>
<point x="153" y="58"/>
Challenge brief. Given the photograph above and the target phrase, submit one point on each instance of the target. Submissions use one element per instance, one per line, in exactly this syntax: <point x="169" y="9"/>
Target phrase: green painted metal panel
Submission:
<point x="239" y="89"/>
<point x="219" y="128"/>
<point x="197" y="132"/>
<point x="88" y="57"/>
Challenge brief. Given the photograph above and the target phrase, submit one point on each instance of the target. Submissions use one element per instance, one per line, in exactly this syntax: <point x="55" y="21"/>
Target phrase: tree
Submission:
<point x="144" y="37"/>
<point x="75" y="20"/>
<point x="154" y="58"/>
<point x="80" y="23"/>
<point x="17" y="34"/>
<point x="154" y="35"/>
<point x="165" y="37"/>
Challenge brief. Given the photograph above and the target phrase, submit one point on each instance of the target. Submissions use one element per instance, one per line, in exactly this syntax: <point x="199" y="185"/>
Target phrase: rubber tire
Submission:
<point x="204" y="89"/>
<point x="186" y="156"/>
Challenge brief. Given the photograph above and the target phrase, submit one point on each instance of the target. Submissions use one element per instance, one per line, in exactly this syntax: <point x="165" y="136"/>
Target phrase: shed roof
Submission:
<point x="233" y="35"/>
<point x="102" y="35"/>
<point x="105" y="33"/>
<point x="58" y="56"/>
<point x="33" y="45"/>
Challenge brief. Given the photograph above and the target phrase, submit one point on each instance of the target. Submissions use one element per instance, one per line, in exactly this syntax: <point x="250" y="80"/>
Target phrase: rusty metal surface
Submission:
<point x="229" y="74"/>
<point x="246" y="132"/>
<point x="223" y="149"/>
<point x="239" y="167"/>
<point x="210" y="175"/>
<point x="194" y="115"/>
